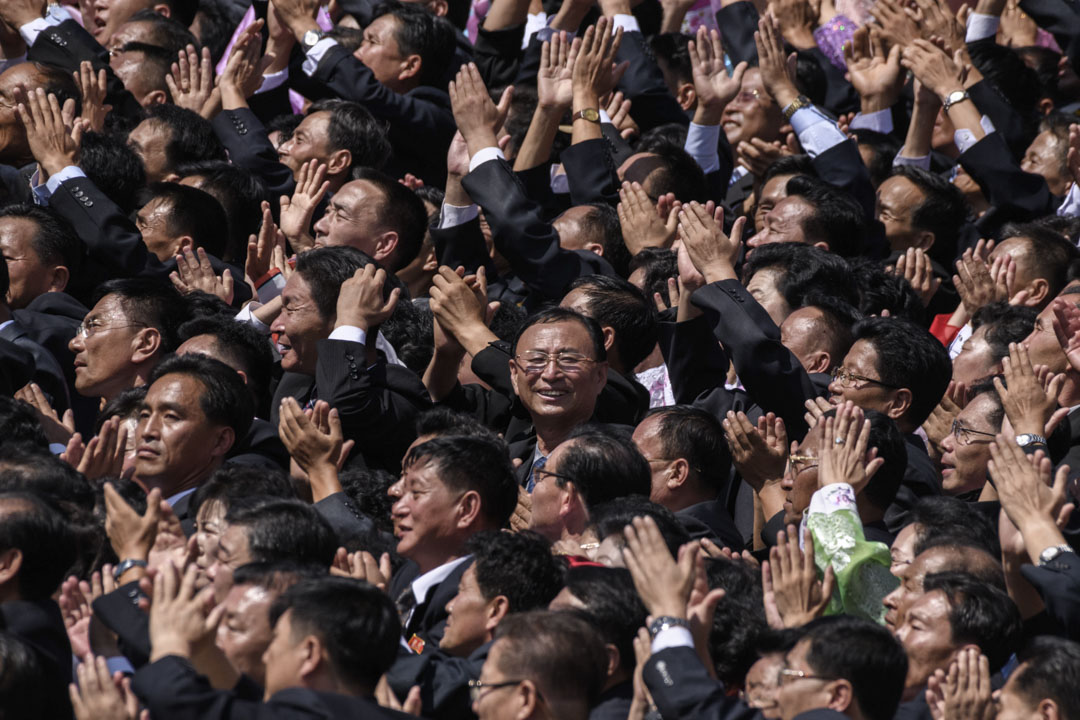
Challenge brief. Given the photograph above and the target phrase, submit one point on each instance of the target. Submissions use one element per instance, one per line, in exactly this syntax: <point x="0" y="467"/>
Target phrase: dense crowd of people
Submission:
<point x="540" y="359"/>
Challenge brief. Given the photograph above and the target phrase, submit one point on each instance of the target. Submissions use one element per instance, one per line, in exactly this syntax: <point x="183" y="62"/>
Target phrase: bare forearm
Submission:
<point x="536" y="148"/>
<point x="920" y="132"/>
<point x="441" y="374"/>
<point x="455" y="192"/>
<point x="506" y="14"/>
<point x="585" y="129"/>
<point x="324" y="481"/>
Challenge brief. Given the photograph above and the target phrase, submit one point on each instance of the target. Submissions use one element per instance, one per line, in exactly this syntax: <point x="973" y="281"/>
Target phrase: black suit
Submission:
<point x="711" y="520"/>
<point x="172" y="690"/>
<point x="443" y="680"/>
<point x="40" y="625"/>
<point x="249" y="147"/>
<point x="651" y="103"/>
<point x="682" y="688"/>
<point x="420" y="122"/>
<point x="914" y="709"/>
<point x="47" y="371"/>
<point x="1058" y="582"/>
<point x="428" y="620"/>
<point x="528" y="242"/>
<point x="119" y="611"/>
<point x="614" y="703"/>
<point x="260" y="447"/>
<point x="1059" y="18"/>
<point x="378" y="405"/>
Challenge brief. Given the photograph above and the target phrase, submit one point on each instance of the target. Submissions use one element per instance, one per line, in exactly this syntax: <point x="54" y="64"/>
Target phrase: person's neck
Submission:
<point x="550" y="433"/>
<point x="174" y="486"/>
<point x="687" y="496"/>
<point x="427" y="563"/>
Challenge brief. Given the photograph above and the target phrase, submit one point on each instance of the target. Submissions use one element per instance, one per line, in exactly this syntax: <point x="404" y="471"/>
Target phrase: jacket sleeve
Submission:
<point x="682" y="688"/>
<point x="1014" y="194"/>
<point x="738" y="22"/>
<point x="170" y="688"/>
<point x="591" y="173"/>
<point x="1061" y="20"/>
<point x="249" y="147"/>
<point x="1058" y="582"/>
<point x="651" y="103"/>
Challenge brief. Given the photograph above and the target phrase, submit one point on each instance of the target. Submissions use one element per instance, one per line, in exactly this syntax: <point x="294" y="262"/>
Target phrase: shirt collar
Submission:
<point x="423" y="584"/>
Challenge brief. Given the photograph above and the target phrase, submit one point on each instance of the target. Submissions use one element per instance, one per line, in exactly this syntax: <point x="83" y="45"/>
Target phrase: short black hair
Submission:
<point x="807" y="271"/>
<point x="153" y="66"/>
<point x="801" y="164"/>
<point x="191" y="212"/>
<point x="19" y="424"/>
<point x="240" y="192"/>
<point x="674" y="49"/>
<point x="518" y="566"/>
<point x="602" y="466"/>
<point x="612" y="606"/>
<point x="183" y="11"/>
<point x="59" y="82"/>
<point x="615" y="303"/>
<point x="30" y="525"/>
<point x="942" y="515"/>
<point x="601" y="224"/>
<point x="997" y="415"/>
<point x="441" y="420"/>
<point x="352" y="127"/>
<point x="355" y="621"/>
<point x="1050" y="669"/>
<point x="837" y="219"/>
<point x="943" y="210"/>
<point x="659" y="264"/>
<point x="883" y="149"/>
<point x="611" y="518"/>
<point x="834" y="324"/>
<point x="473" y="463"/>
<point x="402" y="211"/>
<point x="276" y="577"/>
<point x="739" y="620"/>
<point x="24" y="687"/>
<point x="881" y="290"/>
<point x="558" y="315"/>
<point x="691" y="433"/>
<point x="421" y="33"/>
<point x="325" y="269"/>
<point x="1005" y="323"/>
<point x="863" y="653"/>
<point x="908" y="357"/>
<point x="236" y="482"/>
<point x="979" y="614"/>
<point x="1049" y="253"/>
<point x="114" y="168"/>
<point x="678" y="172"/>
<point x="278" y="529"/>
<point x="191" y="137"/>
<point x="241" y="346"/>
<point x="225" y="399"/>
<point x="55" y="241"/>
<point x="150" y="302"/>
<point x="166" y="32"/>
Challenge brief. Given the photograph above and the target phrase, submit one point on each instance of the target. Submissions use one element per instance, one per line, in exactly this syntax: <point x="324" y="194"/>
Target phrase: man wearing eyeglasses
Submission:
<point x="967" y="446"/>
<point x="544" y="665"/>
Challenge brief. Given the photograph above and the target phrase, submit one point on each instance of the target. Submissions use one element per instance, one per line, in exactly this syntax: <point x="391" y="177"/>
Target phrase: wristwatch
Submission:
<point x="955" y="97"/>
<point x="666" y="621"/>
<point x="798" y="103"/>
<point x="127" y="565"/>
<point x="310" y="39"/>
<point x="1030" y="439"/>
<point x="590" y="114"/>
<point x="1051" y="553"/>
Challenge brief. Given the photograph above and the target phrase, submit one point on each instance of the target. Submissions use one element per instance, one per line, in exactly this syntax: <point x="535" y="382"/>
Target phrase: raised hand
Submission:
<point x="296" y="211"/>
<point x="756" y="155"/>
<point x="554" y="81"/>
<point x="759" y="453"/>
<point x="595" y="73"/>
<point x="967" y="692"/>
<point x="98" y="695"/>
<point x="936" y="19"/>
<point x="75" y="609"/>
<point x="875" y="72"/>
<point x="793" y="593"/>
<point x="663" y="584"/>
<point x="261" y="247"/>
<point x="843" y="456"/>
<point x="915" y="267"/>
<point x="642" y="227"/>
<point x="1032" y="502"/>
<point x="713" y="252"/>
<point x="934" y="68"/>
<point x="777" y="71"/>
<point x="103" y="456"/>
<point x="979" y="284"/>
<point x="1029" y="403"/>
<point x="460" y="308"/>
<point x="478" y="118"/>
<point x="899" y="27"/>
<point x="362" y="301"/>
<point x="181" y="620"/>
<point x="191" y="82"/>
<point x="797" y="18"/>
<point x="196" y="273"/>
<point x="714" y="87"/>
<point x="938" y="426"/>
<point x="363" y="566"/>
<point x="1067" y="328"/>
<point x="51" y="143"/>
<point x="244" y="68"/>
<point x="319" y="448"/>
<point x="57" y="429"/>
<point x="92" y="87"/>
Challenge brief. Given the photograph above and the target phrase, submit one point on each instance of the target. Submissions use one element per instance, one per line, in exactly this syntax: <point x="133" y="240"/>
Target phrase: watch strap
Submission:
<point x="1053" y="552"/>
<point x="666" y="621"/>
<point x="590" y="114"/>
<point x="1030" y="439"/>
<point x="126" y="565"/>
<point x="954" y="98"/>
<point x="798" y="103"/>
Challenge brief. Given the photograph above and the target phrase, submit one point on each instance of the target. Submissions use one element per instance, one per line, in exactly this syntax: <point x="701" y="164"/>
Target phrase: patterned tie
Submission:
<point x="537" y="464"/>
<point x="405" y="603"/>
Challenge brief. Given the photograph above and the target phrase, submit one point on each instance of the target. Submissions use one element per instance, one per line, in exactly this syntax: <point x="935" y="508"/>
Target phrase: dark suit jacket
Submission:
<point x="40" y="625"/>
<point x="345" y="518"/>
<point x="711" y="520"/>
<point x="66" y="45"/>
<point x="249" y="147"/>
<point x="1058" y="582"/>
<point x="915" y="709"/>
<point x="523" y="237"/>
<point x="651" y="103"/>
<point x="378" y="405"/>
<point x="420" y="122"/>
<point x="428" y="619"/>
<point x="1059" y="18"/>
<point x="261" y="446"/>
<point x="119" y="611"/>
<point x="682" y="688"/>
<point x="170" y="688"/>
<point x="47" y="371"/>
<point x="443" y="680"/>
<point x="614" y="703"/>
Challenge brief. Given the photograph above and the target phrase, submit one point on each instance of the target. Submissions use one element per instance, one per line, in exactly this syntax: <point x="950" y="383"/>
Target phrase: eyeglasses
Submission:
<point x="967" y="436"/>
<point x="534" y="362"/>
<point x="477" y="688"/>
<point x="787" y="674"/>
<point x="746" y="96"/>
<point x="87" y="329"/>
<point x="540" y="473"/>
<point x="847" y="379"/>
<point x="806" y="461"/>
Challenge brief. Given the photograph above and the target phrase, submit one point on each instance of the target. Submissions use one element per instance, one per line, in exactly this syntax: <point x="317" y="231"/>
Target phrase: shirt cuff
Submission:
<point x="919" y="162"/>
<point x="672" y="637"/>
<point x="247" y="316"/>
<point x="483" y="155"/>
<point x="628" y="23"/>
<point x="315" y="55"/>
<point x="833" y="498"/>
<point x="119" y="663"/>
<point x="533" y="24"/>
<point x="879" y="121"/>
<point x="30" y="31"/>
<point x="273" y="80"/>
<point x="54" y="182"/>
<point x="701" y="144"/>
<point x="816" y="132"/>
<point x="964" y="138"/>
<point x="349" y="333"/>
<point x="1071" y="206"/>
<point x="980" y="27"/>
<point x="454" y="215"/>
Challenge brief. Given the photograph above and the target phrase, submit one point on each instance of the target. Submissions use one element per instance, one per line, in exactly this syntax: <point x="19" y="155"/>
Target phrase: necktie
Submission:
<point x="405" y="603"/>
<point x="537" y="464"/>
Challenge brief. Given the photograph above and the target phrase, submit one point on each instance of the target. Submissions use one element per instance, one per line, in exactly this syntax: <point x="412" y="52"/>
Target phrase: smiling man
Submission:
<point x="451" y="488"/>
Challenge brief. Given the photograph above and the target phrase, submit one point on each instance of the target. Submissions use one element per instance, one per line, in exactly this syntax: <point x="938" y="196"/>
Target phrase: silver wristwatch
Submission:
<point x="310" y="39"/>
<point x="955" y="97"/>
<point x="1030" y="439"/>
<point x="1052" y="553"/>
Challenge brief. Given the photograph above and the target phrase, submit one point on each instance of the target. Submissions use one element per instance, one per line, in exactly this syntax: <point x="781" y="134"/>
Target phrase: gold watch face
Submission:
<point x="590" y="114"/>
